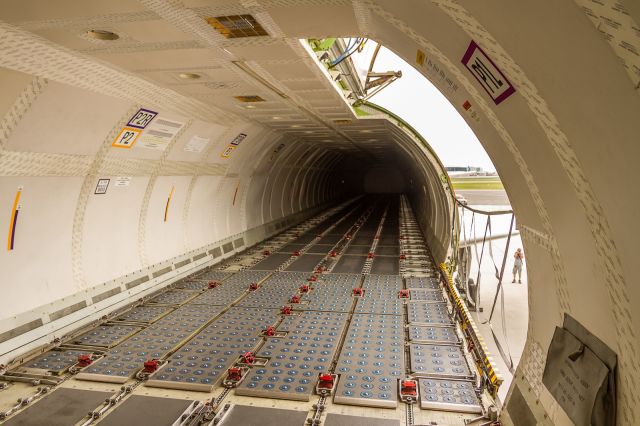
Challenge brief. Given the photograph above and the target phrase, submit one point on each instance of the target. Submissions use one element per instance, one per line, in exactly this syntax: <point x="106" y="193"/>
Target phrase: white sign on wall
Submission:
<point x="121" y="181"/>
<point x="159" y="134"/>
<point x="196" y="144"/>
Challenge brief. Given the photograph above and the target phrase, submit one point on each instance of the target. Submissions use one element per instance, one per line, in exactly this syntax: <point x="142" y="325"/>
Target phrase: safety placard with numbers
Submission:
<point x="126" y="138"/>
<point x="142" y="118"/>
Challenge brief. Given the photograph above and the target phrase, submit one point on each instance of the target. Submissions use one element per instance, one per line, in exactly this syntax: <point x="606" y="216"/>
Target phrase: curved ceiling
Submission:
<point x="564" y="143"/>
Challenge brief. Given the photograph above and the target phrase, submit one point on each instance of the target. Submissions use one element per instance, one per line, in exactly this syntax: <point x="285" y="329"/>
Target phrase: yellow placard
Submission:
<point x="126" y="138"/>
<point x="227" y="151"/>
<point x="420" y="57"/>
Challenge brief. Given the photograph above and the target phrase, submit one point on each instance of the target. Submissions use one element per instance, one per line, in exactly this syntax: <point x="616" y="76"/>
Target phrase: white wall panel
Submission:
<point x="79" y="127"/>
<point x="164" y="239"/>
<point x="38" y="269"/>
<point x="110" y="243"/>
<point x="203" y="211"/>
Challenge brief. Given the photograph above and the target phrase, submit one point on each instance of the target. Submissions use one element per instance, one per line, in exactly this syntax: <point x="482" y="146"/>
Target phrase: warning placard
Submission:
<point x="492" y="80"/>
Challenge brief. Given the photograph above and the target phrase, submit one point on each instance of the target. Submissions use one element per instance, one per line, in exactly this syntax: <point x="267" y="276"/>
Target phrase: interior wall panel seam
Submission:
<point x="77" y="258"/>
<point x="19" y="108"/>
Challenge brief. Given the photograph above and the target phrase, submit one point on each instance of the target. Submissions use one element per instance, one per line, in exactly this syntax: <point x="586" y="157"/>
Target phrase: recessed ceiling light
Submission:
<point x="308" y="131"/>
<point x="250" y="107"/>
<point x="295" y="125"/>
<point x="189" y="75"/>
<point x="276" y="118"/>
<point x="102" y="35"/>
<point x="249" y="98"/>
<point x="365" y="131"/>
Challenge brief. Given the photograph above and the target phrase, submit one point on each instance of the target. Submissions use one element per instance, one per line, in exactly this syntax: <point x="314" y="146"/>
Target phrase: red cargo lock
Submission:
<point x="370" y="255"/>
<point x="403" y="256"/>
<point x="358" y="291"/>
<point x="248" y="358"/>
<point x="84" y="360"/>
<point x="253" y="286"/>
<point x="234" y="374"/>
<point x="295" y="299"/>
<point x="403" y="294"/>
<point x="266" y="252"/>
<point x="304" y="288"/>
<point x="325" y="381"/>
<point x="313" y="278"/>
<point x="333" y="254"/>
<point x="269" y="331"/>
<point x="213" y="284"/>
<point x="285" y="310"/>
<point x="150" y="366"/>
<point x="409" y="388"/>
<point x="296" y="253"/>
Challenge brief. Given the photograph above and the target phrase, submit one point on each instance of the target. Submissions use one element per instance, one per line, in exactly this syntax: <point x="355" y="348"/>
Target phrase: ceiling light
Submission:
<point x="365" y="131"/>
<point x="249" y="98"/>
<point x="295" y="125"/>
<point x="189" y="75"/>
<point x="276" y="118"/>
<point x="102" y="35"/>
<point x="250" y="107"/>
<point x="308" y="131"/>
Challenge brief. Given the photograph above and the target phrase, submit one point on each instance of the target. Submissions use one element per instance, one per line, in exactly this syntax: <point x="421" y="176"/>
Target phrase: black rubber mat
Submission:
<point x="260" y="416"/>
<point x="388" y="250"/>
<point x="342" y="420"/>
<point x="354" y="249"/>
<point x="320" y="249"/>
<point x="304" y="239"/>
<point x="306" y="263"/>
<point x="349" y="264"/>
<point x="63" y="407"/>
<point x="362" y="240"/>
<point x="388" y="241"/>
<point x="290" y="248"/>
<point x="330" y="239"/>
<point x="146" y="411"/>
<point x="272" y="262"/>
<point x="385" y="265"/>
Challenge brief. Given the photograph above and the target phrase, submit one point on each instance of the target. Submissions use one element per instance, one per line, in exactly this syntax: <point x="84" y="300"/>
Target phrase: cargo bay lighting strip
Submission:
<point x="14" y="220"/>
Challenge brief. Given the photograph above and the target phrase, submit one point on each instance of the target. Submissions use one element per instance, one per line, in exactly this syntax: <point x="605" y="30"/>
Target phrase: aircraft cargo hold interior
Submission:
<point x="209" y="221"/>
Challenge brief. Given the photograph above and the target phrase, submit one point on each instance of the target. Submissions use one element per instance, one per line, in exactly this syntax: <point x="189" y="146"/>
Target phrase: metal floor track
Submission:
<point x="352" y="293"/>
